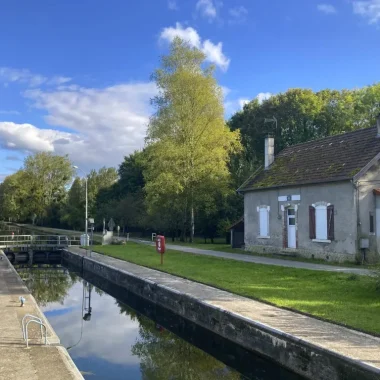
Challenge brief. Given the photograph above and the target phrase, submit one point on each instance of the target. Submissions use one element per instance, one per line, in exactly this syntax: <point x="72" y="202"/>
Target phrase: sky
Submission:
<point x="75" y="74"/>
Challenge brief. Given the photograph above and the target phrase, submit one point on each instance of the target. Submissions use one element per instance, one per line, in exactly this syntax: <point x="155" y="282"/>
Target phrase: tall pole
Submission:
<point x="86" y="211"/>
<point x="86" y="222"/>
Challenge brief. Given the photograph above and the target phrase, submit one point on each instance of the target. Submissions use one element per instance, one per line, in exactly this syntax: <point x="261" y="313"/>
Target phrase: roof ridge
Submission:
<point x="332" y="158"/>
<point x="327" y="137"/>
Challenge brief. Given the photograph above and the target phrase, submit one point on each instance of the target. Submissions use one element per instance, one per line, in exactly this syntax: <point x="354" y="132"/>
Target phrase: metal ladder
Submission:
<point x="32" y="319"/>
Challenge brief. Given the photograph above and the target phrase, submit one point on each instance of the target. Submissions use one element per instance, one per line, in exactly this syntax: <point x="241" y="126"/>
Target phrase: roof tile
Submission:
<point x="329" y="159"/>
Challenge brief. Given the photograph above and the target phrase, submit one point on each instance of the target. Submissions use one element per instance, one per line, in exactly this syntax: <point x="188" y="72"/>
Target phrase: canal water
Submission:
<point x="112" y="334"/>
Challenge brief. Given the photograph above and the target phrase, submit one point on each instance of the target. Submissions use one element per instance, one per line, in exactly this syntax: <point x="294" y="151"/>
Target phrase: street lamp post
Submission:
<point x="86" y="212"/>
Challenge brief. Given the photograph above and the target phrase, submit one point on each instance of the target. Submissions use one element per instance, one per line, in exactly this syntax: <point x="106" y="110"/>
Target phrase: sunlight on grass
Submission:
<point x="324" y="294"/>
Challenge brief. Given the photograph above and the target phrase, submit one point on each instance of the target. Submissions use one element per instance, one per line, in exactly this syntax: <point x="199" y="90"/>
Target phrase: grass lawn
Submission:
<point x="222" y="247"/>
<point x="346" y="299"/>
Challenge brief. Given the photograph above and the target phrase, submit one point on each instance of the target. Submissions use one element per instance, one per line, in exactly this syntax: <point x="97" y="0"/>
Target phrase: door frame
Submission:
<point x="284" y="209"/>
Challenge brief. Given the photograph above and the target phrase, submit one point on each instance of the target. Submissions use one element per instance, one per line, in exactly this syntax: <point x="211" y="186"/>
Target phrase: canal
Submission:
<point x="112" y="334"/>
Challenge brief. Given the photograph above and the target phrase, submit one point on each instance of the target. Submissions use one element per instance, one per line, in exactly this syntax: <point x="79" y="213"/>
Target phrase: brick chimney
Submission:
<point x="269" y="149"/>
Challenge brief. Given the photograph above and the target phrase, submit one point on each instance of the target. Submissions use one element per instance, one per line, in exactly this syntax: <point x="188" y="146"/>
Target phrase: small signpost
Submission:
<point x="160" y="246"/>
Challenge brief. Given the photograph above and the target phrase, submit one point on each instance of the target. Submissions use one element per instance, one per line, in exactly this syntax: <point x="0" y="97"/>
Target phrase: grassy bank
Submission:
<point x="347" y="299"/>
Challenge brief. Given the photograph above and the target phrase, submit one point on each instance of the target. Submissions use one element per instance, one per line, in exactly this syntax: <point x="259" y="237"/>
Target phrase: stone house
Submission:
<point x="319" y="199"/>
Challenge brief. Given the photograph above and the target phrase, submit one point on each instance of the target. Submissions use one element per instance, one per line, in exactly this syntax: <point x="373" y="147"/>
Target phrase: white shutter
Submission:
<point x="321" y="222"/>
<point x="264" y="221"/>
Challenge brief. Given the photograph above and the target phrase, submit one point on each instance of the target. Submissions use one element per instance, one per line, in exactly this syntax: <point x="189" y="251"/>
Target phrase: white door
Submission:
<point x="291" y="227"/>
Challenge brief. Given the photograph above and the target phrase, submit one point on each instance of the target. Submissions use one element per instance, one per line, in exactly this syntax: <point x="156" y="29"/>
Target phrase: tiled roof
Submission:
<point x="329" y="159"/>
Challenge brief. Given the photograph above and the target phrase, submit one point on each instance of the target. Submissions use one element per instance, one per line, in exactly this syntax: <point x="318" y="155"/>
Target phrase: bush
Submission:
<point x="118" y="242"/>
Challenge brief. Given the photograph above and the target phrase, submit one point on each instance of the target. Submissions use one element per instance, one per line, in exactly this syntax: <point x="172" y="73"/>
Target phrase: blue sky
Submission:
<point x="74" y="75"/>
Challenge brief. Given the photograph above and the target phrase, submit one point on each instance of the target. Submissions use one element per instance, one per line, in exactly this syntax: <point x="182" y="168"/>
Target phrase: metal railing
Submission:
<point x="32" y="319"/>
<point x="7" y="241"/>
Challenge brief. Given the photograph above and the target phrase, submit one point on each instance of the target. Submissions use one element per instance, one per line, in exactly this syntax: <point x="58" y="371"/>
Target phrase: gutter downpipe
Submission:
<point x="356" y="186"/>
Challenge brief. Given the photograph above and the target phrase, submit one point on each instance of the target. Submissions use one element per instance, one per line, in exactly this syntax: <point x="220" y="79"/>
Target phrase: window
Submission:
<point x="263" y="221"/>
<point x="321" y="222"/>
<point x="371" y="223"/>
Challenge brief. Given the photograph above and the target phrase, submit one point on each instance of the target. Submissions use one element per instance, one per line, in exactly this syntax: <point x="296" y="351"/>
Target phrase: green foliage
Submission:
<point x="47" y="285"/>
<point x="104" y="178"/>
<point x="14" y="196"/>
<point x="163" y="355"/>
<point x="131" y="178"/>
<point x="189" y="144"/>
<point x="124" y="200"/>
<point x="303" y="115"/>
<point x="38" y="190"/>
<point x="73" y="214"/>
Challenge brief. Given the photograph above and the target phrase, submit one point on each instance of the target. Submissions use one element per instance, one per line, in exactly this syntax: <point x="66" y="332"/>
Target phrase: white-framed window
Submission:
<point x="321" y="222"/>
<point x="263" y="212"/>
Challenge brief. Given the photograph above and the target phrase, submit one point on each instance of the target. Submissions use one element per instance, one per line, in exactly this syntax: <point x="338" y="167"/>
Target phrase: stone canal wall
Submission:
<point x="225" y="314"/>
<point x="39" y="362"/>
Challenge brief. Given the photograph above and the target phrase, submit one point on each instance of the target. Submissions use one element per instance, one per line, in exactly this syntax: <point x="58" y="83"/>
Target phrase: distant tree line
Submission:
<point x="183" y="182"/>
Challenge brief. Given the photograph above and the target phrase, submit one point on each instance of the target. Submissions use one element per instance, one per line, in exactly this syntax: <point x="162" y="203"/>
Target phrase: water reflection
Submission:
<point x="129" y="338"/>
<point x="47" y="284"/>
<point x="164" y="356"/>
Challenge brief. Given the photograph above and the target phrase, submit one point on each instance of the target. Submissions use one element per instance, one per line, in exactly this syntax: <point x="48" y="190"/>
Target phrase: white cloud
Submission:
<point x="26" y="137"/>
<point x="370" y="10"/>
<point x="25" y="76"/>
<point x="207" y="9"/>
<point x="116" y="342"/>
<point x="188" y="34"/>
<point x="213" y="52"/>
<point x="57" y="80"/>
<point x="243" y="102"/>
<point x="234" y="105"/>
<point x="225" y="90"/>
<point x="238" y="15"/>
<point x="172" y="5"/>
<point x="326" y="8"/>
<point x="263" y="96"/>
<point x="103" y="125"/>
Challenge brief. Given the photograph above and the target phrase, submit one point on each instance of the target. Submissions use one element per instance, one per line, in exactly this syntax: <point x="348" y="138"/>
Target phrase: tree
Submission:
<point x="104" y="178"/>
<point x="73" y="214"/>
<point x="131" y="178"/>
<point x="47" y="178"/>
<point x="163" y="355"/>
<point x="48" y="284"/>
<point x="188" y="142"/>
<point x="302" y="115"/>
<point x="14" y="197"/>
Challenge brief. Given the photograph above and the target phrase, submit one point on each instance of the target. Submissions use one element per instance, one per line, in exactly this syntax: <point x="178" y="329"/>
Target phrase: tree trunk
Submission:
<point x="184" y="224"/>
<point x="192" y="224"/>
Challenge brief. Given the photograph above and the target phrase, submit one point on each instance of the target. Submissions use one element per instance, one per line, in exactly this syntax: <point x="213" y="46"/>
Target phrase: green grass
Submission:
<point x="342" y="298"/>
<point x="218" y="245"/>
<point x="222" y="247"/>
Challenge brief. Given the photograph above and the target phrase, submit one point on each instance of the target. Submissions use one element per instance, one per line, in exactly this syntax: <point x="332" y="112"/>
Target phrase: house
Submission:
<point x="319" y="199"/>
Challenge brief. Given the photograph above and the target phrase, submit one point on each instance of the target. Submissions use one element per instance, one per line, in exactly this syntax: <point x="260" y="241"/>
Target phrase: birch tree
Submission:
<point x="188" y="142"/>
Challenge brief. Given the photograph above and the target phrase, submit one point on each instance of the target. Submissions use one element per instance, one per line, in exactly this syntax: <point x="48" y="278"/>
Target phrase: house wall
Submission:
<point x="339" y="194"/>
<point x="368" y="203"/>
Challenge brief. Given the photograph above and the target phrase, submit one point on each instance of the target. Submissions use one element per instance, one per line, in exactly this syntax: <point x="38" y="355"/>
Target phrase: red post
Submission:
<point x="160" y="246"/>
